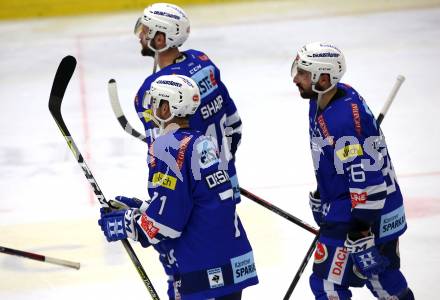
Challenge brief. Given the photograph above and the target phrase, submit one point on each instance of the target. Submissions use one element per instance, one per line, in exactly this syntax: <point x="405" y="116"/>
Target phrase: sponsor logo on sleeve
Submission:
<point x="148" y="227"/>
<point x="215" y="277"/>
<point x="205" y="79"/>
<point x="321" y="253"/>
<point x="349" y="151"/>
<point x="165" y="180"/>
<point x="243" y="267"/>
<point x="392" y="222"/>
<point x="358" y="198"/>
<point x="339" y="263"/>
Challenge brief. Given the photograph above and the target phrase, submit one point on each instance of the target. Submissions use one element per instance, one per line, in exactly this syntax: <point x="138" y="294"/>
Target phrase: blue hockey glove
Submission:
<point x="366" y="256"/>
<point x="122" y="202"/>
<point x="120" y="224"/>
<point x="315" y="205"/>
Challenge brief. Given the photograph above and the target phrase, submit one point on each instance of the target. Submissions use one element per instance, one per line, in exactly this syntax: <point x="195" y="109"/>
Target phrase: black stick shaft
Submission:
<point x="62" y="78"/>
<point x="278" y="211"/>
<point x="301" y="268"/>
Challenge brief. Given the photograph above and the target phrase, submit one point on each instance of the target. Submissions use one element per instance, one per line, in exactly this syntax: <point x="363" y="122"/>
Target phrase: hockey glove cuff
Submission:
<point x="315" y="205"/>
<point x="366" y="256"/>
<point x="121" y="202"/>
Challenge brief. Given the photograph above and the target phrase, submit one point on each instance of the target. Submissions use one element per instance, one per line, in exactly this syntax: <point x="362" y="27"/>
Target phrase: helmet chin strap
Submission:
<point x="320" y="94"/>
<point x="161" y="122"/>
<point x="156" y="51"/>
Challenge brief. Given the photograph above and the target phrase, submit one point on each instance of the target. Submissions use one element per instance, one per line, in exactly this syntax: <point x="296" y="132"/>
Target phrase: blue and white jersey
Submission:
<point x="191" y="220"/>
<point x="355" y="176"/>
<point x="217" y="115"/>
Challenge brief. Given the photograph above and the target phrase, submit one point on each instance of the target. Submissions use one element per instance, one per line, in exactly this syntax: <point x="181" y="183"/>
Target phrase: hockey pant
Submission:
<point x="333" y="274"/>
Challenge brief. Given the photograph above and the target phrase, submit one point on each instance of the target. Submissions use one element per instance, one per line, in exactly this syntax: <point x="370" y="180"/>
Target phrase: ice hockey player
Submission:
<point x="190" y="219"/>
<point x="161" y="30"/>
<point x="358" y="204"/>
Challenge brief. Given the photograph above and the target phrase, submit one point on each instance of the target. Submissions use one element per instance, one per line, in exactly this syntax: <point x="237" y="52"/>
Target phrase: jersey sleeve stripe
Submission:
<point x="371" y="205"/>
<point x="372" y="189"/>
<point x="226" y="194"/>
<point x="234" y="118"/>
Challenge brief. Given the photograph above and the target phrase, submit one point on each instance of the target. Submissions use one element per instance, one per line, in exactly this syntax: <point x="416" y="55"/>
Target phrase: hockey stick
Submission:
<point x="39" y="257"/>
<point x="117" y="110"/>
<point x="278" y="211"/>
<point x="400" y="79"/>
<point x="62" y="77"/>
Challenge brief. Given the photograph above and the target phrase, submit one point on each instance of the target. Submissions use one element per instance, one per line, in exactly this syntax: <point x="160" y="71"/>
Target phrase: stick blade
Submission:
<point x="62" y="77"/>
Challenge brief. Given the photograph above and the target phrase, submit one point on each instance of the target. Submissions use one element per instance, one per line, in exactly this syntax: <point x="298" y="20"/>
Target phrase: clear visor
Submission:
<point x="294" y="68"/>
<point x="150" y="104"/>
<point x="138" y="27"/>
<point x="147" y="102"/>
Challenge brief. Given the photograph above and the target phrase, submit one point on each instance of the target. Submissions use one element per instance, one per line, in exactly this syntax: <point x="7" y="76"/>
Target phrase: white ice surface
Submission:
<point x="45" y="202"/>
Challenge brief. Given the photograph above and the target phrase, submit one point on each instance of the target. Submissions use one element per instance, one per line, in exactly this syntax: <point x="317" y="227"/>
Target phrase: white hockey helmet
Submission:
<point x="320" y="58"/>
<point x="167" y="18"/>
<point x="181" y="92"/>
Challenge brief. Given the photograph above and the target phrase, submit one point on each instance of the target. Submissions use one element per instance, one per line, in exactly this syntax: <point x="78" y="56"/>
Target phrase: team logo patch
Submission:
<point x="215" y="277"/>
<point x="167" y="181"/>
<point x="321" y="253"/>
<point x="148" y="227"/>
<point x="208" y="153"/>
<point x="349" y="151"/>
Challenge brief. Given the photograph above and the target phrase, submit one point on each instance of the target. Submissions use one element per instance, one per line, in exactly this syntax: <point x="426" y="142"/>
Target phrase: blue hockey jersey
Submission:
<point x="191" y="220"/>
<point x="217" y="115"/>
<point x="355" y="176"/>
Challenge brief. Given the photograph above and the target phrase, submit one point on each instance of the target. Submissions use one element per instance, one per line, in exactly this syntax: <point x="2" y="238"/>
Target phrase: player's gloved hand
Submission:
<point x="119" y="224"/>
<point x="122" y="202"/>
<point x="315" y="205"/>
<point x="365" y="255"/>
